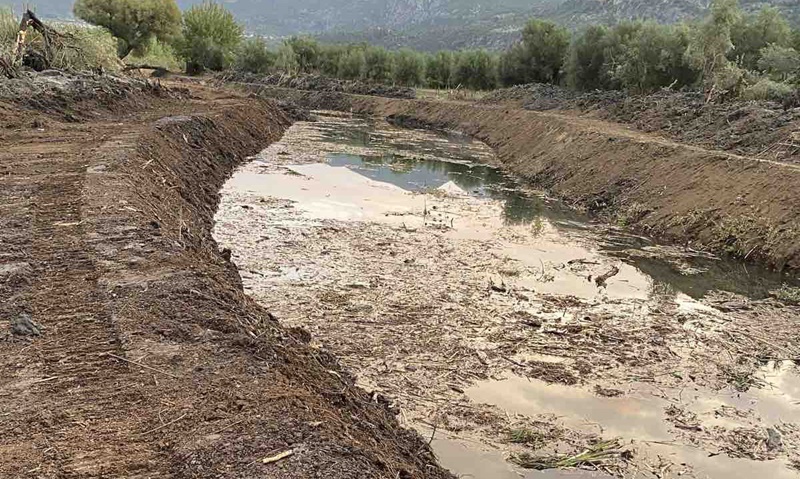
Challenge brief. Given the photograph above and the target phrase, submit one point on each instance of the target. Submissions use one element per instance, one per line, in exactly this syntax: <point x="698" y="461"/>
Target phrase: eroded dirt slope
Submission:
<point x="151" y="362"/>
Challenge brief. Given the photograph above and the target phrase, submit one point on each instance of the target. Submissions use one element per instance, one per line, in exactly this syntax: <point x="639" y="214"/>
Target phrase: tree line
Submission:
<point x="727" y="53"/>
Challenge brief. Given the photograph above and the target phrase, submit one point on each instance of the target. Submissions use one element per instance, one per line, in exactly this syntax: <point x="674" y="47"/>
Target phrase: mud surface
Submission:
<point x="504" y="325"/>
<point x="763" y="129"/>
<point x="127" y="347"/>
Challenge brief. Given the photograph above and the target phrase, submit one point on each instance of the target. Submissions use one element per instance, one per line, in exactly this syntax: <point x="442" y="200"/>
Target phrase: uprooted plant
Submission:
<point x="33" y="44"/>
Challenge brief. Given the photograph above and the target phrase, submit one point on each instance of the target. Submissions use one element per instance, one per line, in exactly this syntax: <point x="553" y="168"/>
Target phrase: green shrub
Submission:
<point x="352" y="65"/>
<point x="134" y="22"/>
<point x="377" y="64"/>
<point x="753" y="33"/>
<point x="767" y="89"/>
<point x="253" y="56"/>
<point x="328" y="57"/>
<point x="655" y="58"/>
<point x="475" y="69"/>
<point x="439" y="70"/>
<point x="157" y="54"/>
<point x="539" y="57"/>
<point x="306" y="51"/>
<point x="586" y="66"/>
<point x="781" y="63"/>
<point x="409" y="67"/>
<point x="286" y="60"/>
<point x="210" y="37"/>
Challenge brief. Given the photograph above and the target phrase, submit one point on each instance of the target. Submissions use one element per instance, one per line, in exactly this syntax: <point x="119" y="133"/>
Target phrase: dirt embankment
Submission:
<point x="709" y="199"/>
<point x="151" y="360"/>
<point x="765" y="129"/>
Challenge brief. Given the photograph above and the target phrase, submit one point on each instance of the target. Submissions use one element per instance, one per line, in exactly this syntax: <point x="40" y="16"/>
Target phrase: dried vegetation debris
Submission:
<point x="320" y="83"/>
<point x="77" y="96"/>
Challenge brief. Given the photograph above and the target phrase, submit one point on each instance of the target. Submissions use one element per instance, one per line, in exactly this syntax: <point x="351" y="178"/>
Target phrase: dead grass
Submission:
<point x="602" y="453"/>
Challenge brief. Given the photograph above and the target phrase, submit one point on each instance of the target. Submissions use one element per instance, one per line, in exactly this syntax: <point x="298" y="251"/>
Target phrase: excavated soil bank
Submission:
<point x="708" y="199"/>
<point x="151" y="361"/>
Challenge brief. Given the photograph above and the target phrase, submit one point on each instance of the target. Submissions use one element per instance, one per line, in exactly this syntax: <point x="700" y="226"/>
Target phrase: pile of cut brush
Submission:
<point x="40" y="47"/>
<point x="315" y="82"/>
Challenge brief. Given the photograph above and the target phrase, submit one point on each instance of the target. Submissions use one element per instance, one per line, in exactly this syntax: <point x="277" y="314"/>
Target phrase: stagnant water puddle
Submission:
<point x="505" y="325"/>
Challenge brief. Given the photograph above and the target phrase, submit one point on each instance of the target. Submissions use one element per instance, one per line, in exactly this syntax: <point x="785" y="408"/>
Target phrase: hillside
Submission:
<point x="437" y="24"/>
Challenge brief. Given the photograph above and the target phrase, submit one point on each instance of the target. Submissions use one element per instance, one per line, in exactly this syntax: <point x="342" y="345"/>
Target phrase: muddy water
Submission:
<point x="473" y="302"/>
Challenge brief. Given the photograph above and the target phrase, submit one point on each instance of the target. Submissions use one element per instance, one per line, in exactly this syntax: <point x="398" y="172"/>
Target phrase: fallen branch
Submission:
<point x="601" y="280"/>
<point x="277" y="457"/>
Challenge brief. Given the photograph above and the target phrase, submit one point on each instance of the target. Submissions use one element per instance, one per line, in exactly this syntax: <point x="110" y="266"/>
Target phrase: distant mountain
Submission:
<point x="438" y="24"/>
<point x="497" y="31"/>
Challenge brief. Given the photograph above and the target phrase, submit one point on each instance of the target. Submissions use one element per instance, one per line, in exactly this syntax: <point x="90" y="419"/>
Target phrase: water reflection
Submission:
<point x="423" y="174"/>
<point x="421" y="160"/>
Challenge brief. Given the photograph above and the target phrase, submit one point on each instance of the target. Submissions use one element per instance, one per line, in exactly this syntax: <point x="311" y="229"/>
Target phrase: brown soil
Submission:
<point x="763" y="129"/>
<point x="152" y="362"/>
<point x="709" y="199"/>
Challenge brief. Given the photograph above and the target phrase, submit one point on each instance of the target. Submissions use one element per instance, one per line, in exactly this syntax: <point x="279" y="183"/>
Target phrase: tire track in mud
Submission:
<point x="78" y="387"/>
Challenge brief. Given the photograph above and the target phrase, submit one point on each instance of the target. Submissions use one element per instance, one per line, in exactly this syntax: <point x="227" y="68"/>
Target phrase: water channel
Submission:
<point x="475" y="303"/>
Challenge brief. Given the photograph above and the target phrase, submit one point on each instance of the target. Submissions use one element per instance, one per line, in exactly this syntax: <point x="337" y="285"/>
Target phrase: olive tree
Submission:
<point x="210" y="37"/>
<point x="134" y="22"/>
<point x="753" y="33"/>
<point x="475" y="69"/>
<point x="377" y="64"/>
<point x="539" y="56"/>
<point x="408" y="67"/>
<point x="711" y="44"/>
<point x="253" y="56"/>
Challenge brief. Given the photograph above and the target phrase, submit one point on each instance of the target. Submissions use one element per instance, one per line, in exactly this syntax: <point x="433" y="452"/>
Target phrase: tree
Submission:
<point x="439" y="70"/>
<point x="586" y="66"/>
<point x="286" y="60"/>
<point x="133" y="22"/>
<point x="377" y="64"/>
<point x="781" y="63"/>
<point x="710" y="46"/>
<point x="656" y="58"/>
<point x="753" y="33"/>
<point x="475" y="69"/>
<point x="539" y="57"/>
<point x="352" y="65"/>
<point x="210" y="37"/>
<point x="408" y="68"/>
<point x="512" y="67"/>
<point x="306" y="50"/>
<point x="328" y="57"/>
<point x="253" y="56"/>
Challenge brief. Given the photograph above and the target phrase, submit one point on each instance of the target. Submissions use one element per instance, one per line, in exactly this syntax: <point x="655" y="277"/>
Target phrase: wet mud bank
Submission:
<point x="710" y="200"/>
<point x="150" y="359"/>
<point x="269" y="395"/>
